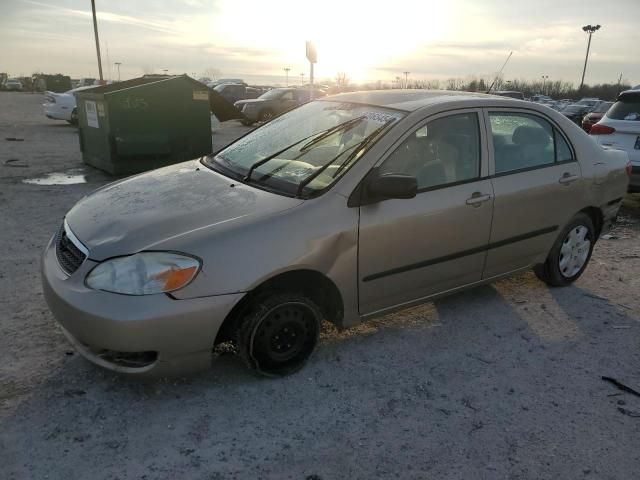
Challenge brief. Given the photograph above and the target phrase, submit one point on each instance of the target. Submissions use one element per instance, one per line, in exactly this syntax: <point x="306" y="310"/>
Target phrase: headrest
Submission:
<point x="525" y="135"/>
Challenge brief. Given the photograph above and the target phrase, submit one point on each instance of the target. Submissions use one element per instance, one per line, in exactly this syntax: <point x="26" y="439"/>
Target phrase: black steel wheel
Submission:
<point x="279" y="333"/>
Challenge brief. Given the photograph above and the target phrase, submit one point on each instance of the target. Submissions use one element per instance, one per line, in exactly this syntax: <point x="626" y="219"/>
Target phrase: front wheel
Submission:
<point x="74" y="117"/>
<point x="278" y="334"/>
<point x="266" y="115"/>
<point x="570" y="253"/>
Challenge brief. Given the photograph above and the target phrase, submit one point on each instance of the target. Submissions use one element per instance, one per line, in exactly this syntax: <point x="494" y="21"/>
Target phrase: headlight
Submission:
<point x="144" y="273"/>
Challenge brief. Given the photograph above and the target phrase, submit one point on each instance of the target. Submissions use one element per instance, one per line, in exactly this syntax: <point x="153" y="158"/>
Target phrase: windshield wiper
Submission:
<point x="322" y="135"/>
<point x="361" y="145"/>
<point x="348" y="125"/>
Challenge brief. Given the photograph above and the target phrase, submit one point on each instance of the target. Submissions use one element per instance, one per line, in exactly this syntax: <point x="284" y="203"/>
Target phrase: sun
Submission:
<point x="351" y="36"/>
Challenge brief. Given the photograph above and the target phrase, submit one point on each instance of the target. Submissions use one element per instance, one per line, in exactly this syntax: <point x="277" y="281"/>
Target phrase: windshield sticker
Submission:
<point x="381" y="117"/>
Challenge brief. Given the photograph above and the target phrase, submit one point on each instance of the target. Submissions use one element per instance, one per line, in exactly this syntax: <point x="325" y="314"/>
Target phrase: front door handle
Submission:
<point x="477" y="199"/>
<point x="567" y="178"/>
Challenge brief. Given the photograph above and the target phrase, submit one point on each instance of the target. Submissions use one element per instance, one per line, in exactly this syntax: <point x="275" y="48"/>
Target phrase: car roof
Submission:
<point x="409" y="100"/>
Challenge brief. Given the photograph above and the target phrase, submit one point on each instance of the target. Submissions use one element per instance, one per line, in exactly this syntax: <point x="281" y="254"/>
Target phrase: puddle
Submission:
<point x="58" y="178"/>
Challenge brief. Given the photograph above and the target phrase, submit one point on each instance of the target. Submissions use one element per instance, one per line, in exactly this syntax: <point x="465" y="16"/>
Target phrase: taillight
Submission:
<point x="599" y="129"/>
<point x="628" y="168"/>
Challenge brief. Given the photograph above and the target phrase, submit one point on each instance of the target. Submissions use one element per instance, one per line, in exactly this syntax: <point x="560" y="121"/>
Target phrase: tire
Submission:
<point x="278" y="333"/>
<point x="266" y="115"/>
<point x="570" y="253"/>
<point x="74" y="117"/>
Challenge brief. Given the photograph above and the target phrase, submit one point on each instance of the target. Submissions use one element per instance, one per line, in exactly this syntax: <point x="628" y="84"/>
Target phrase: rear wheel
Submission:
<point x="278" y="334"/>
<point x="570" y="253"/>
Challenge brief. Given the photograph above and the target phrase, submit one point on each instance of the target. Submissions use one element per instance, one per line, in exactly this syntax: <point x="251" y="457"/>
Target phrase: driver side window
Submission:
<point x="442" y="152"/>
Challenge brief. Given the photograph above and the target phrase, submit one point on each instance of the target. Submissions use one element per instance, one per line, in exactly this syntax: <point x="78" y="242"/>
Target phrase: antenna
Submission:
<point x="500" y="71"/>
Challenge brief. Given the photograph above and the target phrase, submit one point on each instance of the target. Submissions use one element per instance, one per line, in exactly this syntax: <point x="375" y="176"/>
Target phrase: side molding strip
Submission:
<point x="463" y="253"/>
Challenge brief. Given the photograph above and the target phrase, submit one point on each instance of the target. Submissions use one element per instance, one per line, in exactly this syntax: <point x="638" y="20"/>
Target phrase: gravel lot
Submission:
<point x="503" y="381"/>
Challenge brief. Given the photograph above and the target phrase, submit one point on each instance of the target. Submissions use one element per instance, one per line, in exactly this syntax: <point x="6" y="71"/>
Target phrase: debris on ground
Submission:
<point x="14" y="162"/>
<point x="621" y="386"/>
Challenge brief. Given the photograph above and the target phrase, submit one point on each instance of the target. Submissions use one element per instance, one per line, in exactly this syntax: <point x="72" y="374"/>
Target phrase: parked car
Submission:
<point x="595" y="115"/>
<point x="510" y="94"/>
<point x="619" y="128"/>
<point x="575" y="112"/>
<point x="540" y="98"/>
<point x="590" y="103"/>
<point x="232" y="92"/>
<point x="13" y="84"/>
<point x="222" y="81"/>
<point x="343" y="209"/>
<point x="62" y="106"/>
<point x="273" y="103"/>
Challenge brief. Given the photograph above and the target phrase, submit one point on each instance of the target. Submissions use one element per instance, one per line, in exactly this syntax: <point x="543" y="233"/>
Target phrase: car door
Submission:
<point x="436" y="241"/>
<point x="537" y="185"/>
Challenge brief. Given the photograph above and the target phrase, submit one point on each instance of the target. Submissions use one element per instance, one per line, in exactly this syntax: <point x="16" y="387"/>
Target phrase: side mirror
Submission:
<point x="392" y="185"/>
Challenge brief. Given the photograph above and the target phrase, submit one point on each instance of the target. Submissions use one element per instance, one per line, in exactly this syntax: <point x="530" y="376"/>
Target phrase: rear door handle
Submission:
<point x="567" y="178"/>
<point x="477" y="199"/>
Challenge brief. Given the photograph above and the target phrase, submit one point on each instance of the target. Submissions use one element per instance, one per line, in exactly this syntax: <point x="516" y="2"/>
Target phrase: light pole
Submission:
<point x="406" y="79"/>
<point x="302" y="78"/>
<point x="118" y="65"/>
<point x="544" y="81"/>
<point x="95" y="31"/>
<point x="286" y="72"/>
<point x="590" y="29"/>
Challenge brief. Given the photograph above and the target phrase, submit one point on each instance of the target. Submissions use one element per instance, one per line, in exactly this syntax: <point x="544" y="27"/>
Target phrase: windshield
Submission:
<point x="588" y="103"/>
<point x="574" y="108"/>
<point x="627" y="108"/>
<point x="306" y="150"/>
<point x="272" y="94"/>
<point x="604" y="107"/>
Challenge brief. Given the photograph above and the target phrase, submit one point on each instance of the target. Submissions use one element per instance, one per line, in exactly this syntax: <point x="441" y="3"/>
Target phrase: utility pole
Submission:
<point x="286" y="71"/>
<point x="302" y="78"/>
<point x="590" y="29"/>
<point x="118" y="65"/>
<point x="406" y="79"/>
<point x="95" y="31"/>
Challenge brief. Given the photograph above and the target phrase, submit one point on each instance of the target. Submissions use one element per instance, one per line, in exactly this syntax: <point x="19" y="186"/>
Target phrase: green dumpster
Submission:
<point x="144" y="123"/>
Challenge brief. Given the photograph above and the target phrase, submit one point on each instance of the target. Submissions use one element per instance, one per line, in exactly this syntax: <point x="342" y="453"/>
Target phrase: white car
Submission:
<point x="62" y="106"/>
<point x="13" y="84"/>
<point x="619" y="128"/>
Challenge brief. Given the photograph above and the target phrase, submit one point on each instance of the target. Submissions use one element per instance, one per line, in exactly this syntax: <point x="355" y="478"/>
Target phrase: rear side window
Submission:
<point x="626" y="108"/>
<point x="522" y="141"/>
<point x="563" y="152"/>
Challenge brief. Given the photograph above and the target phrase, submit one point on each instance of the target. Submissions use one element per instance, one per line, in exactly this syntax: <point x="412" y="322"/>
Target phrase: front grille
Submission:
<point x="69" y="256"/>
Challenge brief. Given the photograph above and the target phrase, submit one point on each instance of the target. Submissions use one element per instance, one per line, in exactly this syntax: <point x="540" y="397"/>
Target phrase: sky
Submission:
<point x="368" y="40"/>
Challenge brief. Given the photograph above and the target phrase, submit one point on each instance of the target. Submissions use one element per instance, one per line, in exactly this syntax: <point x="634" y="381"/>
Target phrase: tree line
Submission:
<point x="556" y="89"/>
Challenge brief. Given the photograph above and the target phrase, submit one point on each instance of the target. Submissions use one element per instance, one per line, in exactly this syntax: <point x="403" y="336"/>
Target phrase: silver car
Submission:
<point x="343" y="209"/>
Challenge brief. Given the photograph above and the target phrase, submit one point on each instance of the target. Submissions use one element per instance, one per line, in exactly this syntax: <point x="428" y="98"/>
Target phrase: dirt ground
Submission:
<point x="503" y="381"/>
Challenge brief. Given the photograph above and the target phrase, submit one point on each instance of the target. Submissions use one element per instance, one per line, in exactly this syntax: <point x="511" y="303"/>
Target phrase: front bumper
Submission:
<point x="179" y="333"/>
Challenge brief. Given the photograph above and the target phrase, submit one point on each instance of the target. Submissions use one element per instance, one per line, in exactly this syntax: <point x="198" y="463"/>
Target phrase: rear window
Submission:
<point x="627" y="108"/>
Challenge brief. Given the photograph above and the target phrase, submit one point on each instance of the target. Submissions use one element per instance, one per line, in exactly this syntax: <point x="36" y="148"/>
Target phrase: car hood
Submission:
<point x="163" y="207"/>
